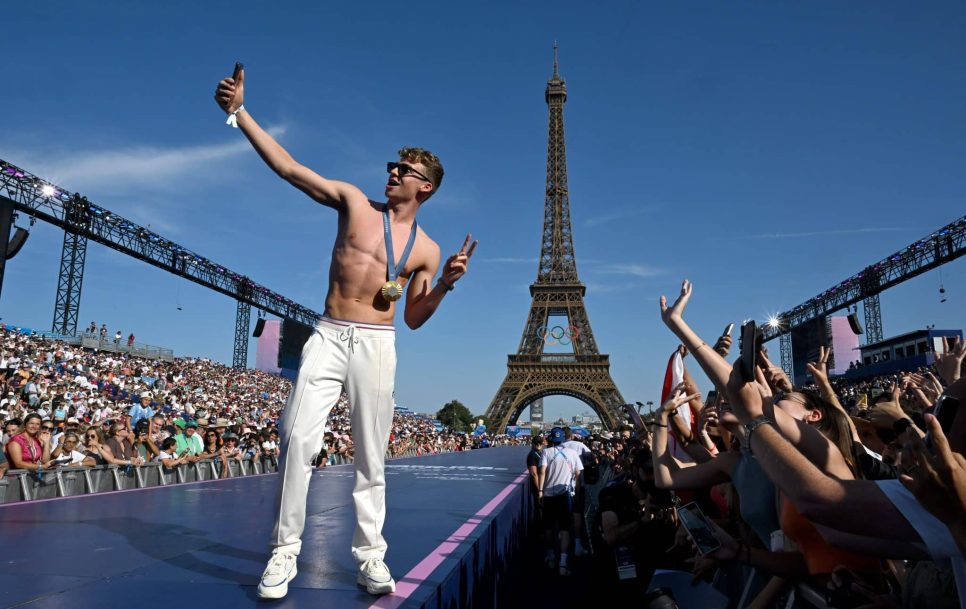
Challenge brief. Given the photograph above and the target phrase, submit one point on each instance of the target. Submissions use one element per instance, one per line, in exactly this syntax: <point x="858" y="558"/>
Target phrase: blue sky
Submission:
<point x="765" y="151"/>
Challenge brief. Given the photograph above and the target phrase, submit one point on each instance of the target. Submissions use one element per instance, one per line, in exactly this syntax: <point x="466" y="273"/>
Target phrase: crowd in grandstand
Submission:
<point x="842" y="493"/>
<point x="65" y="405"/>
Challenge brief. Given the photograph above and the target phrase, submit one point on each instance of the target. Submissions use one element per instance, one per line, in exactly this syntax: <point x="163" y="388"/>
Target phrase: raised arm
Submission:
<point x="666" y="474"/>
<point x="819" y="371"/>
<point x="230" y="96"/>
<point x="715" y="366"/>
<point x="837" y="504"/>
<point x="422" y="297"/>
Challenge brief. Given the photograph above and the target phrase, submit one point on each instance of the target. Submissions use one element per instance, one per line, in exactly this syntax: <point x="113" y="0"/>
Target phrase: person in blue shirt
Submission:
<point x="141" y="410"/>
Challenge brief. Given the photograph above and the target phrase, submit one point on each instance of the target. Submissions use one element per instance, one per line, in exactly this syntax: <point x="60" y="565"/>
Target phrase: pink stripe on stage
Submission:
<point x="412" y="580"/>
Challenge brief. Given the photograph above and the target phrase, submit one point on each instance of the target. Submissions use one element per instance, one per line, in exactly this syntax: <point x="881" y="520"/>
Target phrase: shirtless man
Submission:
<point x="353" y="344"/>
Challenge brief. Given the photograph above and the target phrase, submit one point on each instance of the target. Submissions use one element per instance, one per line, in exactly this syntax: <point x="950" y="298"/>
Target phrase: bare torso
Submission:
<point x="358" y="269"/>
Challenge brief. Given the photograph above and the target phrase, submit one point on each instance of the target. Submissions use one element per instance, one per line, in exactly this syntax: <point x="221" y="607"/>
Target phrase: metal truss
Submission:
<point x="873" y="319"/>
<point x="785" y="346"/>
<point x="67" y="303"/>
<point x="942" y="246"/>
<point x="243" y="318"/>
<point x="75" y="214"/>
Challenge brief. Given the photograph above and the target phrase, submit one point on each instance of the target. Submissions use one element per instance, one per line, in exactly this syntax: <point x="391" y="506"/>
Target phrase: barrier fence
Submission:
<point x="21" y="485"/>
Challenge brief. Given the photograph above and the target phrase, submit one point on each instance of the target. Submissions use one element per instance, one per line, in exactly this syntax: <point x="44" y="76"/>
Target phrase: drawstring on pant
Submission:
<point x="349" y="335"/>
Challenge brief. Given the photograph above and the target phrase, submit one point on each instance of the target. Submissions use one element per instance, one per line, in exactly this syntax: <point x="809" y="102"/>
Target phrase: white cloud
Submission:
<point x="131" y="168"/>
<point x="635" y="270"/>
<point x="620" y="215"/>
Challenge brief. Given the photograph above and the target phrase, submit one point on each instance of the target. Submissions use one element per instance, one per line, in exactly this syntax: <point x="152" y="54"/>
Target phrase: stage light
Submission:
<point x="774" y="323"/>
<point x="47" y="190"/>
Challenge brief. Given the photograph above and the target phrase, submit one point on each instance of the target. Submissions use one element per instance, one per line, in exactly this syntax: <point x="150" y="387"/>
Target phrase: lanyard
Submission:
<point x="393" y="270"/>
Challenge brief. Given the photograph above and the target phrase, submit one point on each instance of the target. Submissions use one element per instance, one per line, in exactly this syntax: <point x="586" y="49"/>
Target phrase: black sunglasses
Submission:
<point x="782" y="395"/>
<point x="405" y="170"/>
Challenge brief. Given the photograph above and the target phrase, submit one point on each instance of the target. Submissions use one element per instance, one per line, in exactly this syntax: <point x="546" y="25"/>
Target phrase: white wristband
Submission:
<point x="232" y="119"/>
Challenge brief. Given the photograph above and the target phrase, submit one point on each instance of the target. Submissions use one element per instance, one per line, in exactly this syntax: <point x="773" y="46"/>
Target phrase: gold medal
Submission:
<point x="392" y="291"/>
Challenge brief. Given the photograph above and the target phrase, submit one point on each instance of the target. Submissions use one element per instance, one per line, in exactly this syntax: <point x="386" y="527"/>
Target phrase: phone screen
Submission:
<point x="698" y="528"/>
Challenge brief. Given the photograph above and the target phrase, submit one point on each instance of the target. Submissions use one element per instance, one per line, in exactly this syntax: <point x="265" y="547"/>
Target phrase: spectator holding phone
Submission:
<point x="144" y="447"/>
<point x="168" y="455"/>
<point x="66" y="453"/>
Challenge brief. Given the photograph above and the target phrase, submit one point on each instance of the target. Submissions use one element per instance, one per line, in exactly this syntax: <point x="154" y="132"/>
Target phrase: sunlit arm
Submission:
<point x="328" y="192"/>
<point x="422" y="297"/>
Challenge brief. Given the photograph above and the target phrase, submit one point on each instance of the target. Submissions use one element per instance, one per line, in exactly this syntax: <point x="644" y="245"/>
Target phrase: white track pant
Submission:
<point x="362" y="358"/>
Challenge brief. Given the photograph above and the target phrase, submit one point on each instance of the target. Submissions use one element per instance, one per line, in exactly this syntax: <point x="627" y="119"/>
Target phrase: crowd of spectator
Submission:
<point x="66" y="405"/>
<point x="837" y="494"/>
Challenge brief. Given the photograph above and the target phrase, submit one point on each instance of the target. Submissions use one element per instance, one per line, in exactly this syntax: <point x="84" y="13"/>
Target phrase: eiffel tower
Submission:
<point x="533" y="372"/>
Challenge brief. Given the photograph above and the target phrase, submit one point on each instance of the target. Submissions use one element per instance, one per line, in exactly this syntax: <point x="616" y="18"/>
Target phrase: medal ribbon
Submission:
<point x="393" y="270"/>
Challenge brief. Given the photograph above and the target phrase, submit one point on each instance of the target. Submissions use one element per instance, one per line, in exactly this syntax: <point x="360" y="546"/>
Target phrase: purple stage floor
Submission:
<point x="451" y="520"/>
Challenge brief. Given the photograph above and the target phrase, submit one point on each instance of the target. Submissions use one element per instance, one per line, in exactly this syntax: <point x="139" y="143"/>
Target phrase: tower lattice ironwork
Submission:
<point x="534" y="371"/>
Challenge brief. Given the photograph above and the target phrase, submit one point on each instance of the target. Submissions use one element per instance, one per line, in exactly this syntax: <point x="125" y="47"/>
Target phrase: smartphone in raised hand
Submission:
<point x="749" y="347"/>
<point x="634" y="416"/>
<point x="945" y="413"/>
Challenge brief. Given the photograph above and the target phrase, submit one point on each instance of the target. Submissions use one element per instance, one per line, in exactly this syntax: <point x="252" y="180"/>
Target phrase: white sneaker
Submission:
<point x="280" y="571"/>
<point x="374" y="576"/>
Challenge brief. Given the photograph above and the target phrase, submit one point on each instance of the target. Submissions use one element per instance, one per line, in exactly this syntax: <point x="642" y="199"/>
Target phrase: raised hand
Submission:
<point x="761" y="383"/>
<point x="774" y="375"/>
<point x="938" y="481"/>
<point x="723" y="345"/>
<point x="883" y="414"/>
<point x="230" y="93"/>
<point x="708" y="418"/>
<point x="676" y="311"/>
<point x="677" y="399"/>
<point x="456" y="264"/>
<point x="819" y="369"/>
<point x="932" y="386"/>
<point x="745" y="398"/>
<point x="950" y="363"/>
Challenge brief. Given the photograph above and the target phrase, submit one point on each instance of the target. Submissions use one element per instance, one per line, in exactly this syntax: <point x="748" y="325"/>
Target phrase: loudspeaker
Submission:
<point x="854" y="323"/>
<point x="16" y="242"/>
<point x="259" y="326"/>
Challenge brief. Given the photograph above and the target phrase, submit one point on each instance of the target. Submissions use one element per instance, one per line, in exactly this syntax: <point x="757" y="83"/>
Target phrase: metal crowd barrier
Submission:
<point x="22" y="485"/>
<point x="94" y="341"/>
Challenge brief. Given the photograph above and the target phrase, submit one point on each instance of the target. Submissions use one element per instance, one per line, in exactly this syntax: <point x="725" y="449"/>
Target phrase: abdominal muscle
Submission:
<point x="356" y="278"/>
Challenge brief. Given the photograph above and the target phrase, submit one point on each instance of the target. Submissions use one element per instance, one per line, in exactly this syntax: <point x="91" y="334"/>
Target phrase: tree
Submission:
<point x="457" y="416"/>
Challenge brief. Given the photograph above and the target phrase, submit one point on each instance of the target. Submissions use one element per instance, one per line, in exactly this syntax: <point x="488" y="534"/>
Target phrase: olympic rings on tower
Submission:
<point x="558" y="335"/>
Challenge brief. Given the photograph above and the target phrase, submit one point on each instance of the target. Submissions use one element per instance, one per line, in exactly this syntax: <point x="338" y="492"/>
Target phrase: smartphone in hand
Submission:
<point x="634" y="416"/>
<point x="945" y="413"/>
<point x="698" y="528"/>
